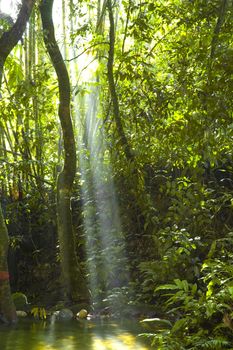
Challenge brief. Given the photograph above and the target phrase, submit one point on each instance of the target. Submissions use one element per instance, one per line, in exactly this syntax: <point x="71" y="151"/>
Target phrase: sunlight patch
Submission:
<point x="9" y="7"/>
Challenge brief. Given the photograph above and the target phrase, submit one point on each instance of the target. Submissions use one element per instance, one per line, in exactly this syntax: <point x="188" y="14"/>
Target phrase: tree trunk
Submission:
<point x="112" y="87"/>
<point x="7" y="42"/>
<point x="143" y="203"/>
<point x="217" y="29"/>
<point x="74" y="285"/>
<point x="11" y="37"/>
<point x="7" y="308"/>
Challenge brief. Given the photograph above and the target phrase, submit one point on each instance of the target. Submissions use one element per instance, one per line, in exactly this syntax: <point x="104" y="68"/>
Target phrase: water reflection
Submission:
<point x="68" y="336"/>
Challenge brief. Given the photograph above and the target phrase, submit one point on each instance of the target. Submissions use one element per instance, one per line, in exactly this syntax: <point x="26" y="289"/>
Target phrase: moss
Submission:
<point x="20" y="301"/>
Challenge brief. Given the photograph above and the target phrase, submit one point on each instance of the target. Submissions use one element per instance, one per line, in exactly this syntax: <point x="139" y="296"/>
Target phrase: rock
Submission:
<point x="59" y="306"/>
<point x="82" y="313"/>
<point x="3" y="319"/>
<point x="55" y="314"/>
<point x="140" y="311"/>
<point x="64" y="315"/>
<point x="105" y="312"/>
<point x="21" y="313"/>
<point x="79" y="306"/>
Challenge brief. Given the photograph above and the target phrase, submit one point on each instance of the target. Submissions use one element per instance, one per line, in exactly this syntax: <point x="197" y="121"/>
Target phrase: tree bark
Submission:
<point x="11" y="37"/>
<point x="143" y="202"/>
<point x="7" y="42"/>
<point x="74" y="285"/>
<point x="112" y="86"/>
<point x="7" y="308"/>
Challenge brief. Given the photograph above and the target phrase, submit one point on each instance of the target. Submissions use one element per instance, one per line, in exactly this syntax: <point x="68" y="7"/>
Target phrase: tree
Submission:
<point x="7" y="308"/>
<point x="8" y="41"/>
<point x="73" y="281"/>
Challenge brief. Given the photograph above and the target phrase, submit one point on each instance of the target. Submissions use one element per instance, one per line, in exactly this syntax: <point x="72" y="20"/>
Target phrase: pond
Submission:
<point x="73" y="335"/>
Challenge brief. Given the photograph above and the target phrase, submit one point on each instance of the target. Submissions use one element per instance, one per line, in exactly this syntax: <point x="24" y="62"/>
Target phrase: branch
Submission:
<point x="37" y="177"/>
<point x="9" y="151"/>
<point x="164" y="37"/>
<point x="85" y="50"/>
<point x="10" y="38"/>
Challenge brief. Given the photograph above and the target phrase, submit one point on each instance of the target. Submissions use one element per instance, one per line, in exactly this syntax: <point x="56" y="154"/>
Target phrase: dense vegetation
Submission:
<point x="152" y="210"/>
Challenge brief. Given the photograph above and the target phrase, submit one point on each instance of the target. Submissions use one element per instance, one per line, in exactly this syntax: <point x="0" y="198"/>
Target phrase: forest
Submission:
<point x="116" y="168"/>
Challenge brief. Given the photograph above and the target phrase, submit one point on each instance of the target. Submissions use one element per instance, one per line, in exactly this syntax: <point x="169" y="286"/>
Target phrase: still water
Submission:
<point x="73" y="335"/>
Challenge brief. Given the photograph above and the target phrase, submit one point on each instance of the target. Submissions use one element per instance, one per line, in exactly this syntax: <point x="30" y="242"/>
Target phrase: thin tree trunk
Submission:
<point x="217" y="29"/>
<point x="142" y="198"/>
<point x="73" y="281"/>
<point x="11" y="37"/>
<point x="112" y="87"/>
<point x="7" y="308"/>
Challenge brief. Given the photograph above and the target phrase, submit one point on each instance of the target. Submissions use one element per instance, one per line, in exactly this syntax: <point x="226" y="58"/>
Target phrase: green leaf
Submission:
<point x="179" y="324"/>
<point x="182" y="284"/>
<point x="230" y="289"/>
<point x="167" y="287"/>
<point x="194" y="288"/>
<point x="157" y="321"/>
<point x="212" y="249"/>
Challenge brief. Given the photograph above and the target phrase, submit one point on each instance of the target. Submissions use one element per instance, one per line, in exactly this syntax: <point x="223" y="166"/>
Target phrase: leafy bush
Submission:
<point x="201" y="314"/>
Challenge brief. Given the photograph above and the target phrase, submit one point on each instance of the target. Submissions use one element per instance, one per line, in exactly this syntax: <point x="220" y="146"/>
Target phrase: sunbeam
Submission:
<point x="105" y="247"/>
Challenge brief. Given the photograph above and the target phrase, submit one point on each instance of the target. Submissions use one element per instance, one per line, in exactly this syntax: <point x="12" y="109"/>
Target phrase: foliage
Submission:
<point x="162" y="220"/>
<point x="39" y="313"/>
<point x="201" y="312"/>
<point x="20" y="301"/>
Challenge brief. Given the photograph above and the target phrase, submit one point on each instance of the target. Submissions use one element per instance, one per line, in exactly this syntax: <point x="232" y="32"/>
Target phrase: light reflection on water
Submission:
<point x="68" y="336"/>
